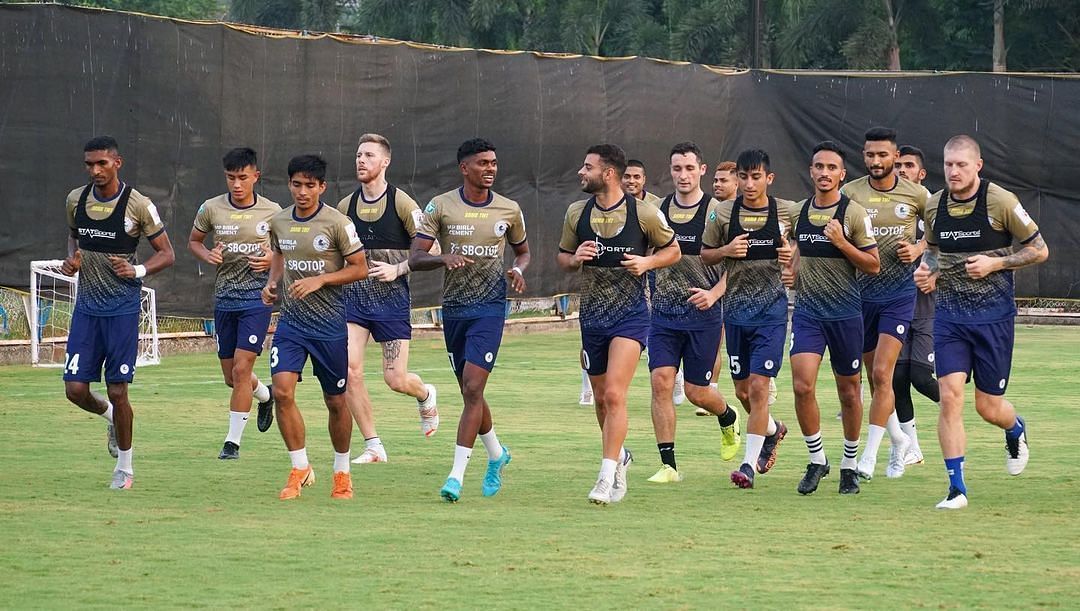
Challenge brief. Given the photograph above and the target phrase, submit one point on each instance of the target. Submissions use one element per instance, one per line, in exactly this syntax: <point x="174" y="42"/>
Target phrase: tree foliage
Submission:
<point x="183" y="9"/>
<point x="1034" y="35"/>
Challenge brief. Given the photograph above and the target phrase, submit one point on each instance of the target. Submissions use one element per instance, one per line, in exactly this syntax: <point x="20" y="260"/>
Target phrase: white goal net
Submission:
<point x="49" y="307"/>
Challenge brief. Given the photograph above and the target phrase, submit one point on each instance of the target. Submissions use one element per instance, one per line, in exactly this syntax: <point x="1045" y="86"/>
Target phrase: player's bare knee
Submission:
<point x="240" y="371"/>
<point x="335" y="404"/>
<point x="697" y="394"/>
<point x="77" y="393"/>
<point x="397" y="381"/>
<point x="356" y="376"/>
<point x="952" y="401"/>
<point x="472" y="391"/>
<point x="881" y="376"/>
<point x="742" y="393"/>
<point x="117" y="393"/>
<point x="662" y="383"/>
<point x="283" y="394"/>
<point x="989" y="406"/>
<point x="614" y="397"/>
<point x="850" y="394"/>
<point x="802" y="387"/>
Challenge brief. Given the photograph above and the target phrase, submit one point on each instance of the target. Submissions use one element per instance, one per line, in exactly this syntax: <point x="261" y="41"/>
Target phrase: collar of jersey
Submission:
<point x="675" y="200"/>
<point x="307" y="218"/>
<point x="94" y="192"/>
<point x="247" y="207"/>
<point x="364" y="198"/>
<point x="465" y="200"/>
<point x="815" y="206"/>
<point x="896" y="183"/>
<point x="596" y="203"/>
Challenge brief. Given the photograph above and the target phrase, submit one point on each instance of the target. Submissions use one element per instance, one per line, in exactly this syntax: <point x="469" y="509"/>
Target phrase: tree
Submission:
<point x="182" y="9"/>
<point x="314" y="15"/>
<point x="999" y="36"/>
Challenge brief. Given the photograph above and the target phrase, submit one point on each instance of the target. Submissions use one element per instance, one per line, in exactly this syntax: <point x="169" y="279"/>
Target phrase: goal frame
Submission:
<point x="149" y="348"/>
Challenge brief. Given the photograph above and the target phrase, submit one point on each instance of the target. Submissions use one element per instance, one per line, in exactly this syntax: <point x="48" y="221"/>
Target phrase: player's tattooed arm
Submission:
<point x="930" y="258"/>
<point x="1035" y="251"/>
<point x="926" y="274"/>
<point x="981" y="266"/>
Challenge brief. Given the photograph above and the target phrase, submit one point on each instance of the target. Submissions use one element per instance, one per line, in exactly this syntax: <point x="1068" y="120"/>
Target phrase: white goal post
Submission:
<point x="49" y="308"/>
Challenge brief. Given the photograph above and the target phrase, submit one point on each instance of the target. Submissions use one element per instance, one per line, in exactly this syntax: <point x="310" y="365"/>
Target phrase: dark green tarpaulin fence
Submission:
<point x="177" y="95"/>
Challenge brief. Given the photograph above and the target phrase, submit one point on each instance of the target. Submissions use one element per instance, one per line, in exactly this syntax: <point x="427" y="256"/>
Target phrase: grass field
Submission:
<point x="198" y="532"/>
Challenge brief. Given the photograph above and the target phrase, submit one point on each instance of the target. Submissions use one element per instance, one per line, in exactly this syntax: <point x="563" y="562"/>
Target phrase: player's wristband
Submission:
<point x="403" y="268"/>
<point x="140" y="271"/>
<point x="518" y="270"/>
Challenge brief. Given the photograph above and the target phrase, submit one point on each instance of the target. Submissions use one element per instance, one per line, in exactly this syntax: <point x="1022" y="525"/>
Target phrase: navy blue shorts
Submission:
<point x="240" y="330"/>
<point x="595" y="343"/>
<point x="695" y="349"/>
<point x="985" y="349"/>
<point x="890" y="318"/>
<point x="843" y="338"/>
<point x="919" y="343"/>
<point x="473" y="340"/>
<point x="97" y="340"/>
<point x="384" y="330"/>
<point x="329" y="358"/>
<point x="757" y="349"/>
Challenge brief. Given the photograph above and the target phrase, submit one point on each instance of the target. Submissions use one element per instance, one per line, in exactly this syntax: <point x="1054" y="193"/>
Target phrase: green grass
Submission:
<point x="197" y="532"/>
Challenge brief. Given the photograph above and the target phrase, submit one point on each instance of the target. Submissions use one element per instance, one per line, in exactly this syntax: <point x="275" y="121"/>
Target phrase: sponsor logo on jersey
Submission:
<point x="97" y="234"/>
<point x="812" y="238"/>
<point x="460" y="230"/>
<point x="305" y="265"/>
<point x="961" y="235"/>
<point x="321" y="243"/>
<point x="602" y="248"/>
<point x="244" y="248"/>
<point x="474" y="250"/>
<point x="501" y="227"/>
<point x="224" y="230"/>
<point x="750" y="243"/>
<point x="888" y="231"/>
<point x="284" y="245"/>
<point x="686" y="238"/>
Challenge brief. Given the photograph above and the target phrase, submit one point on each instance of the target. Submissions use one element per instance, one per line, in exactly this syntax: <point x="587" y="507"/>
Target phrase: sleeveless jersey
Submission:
<point x="106" y="228"/>
<point x="386" y="226"/>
